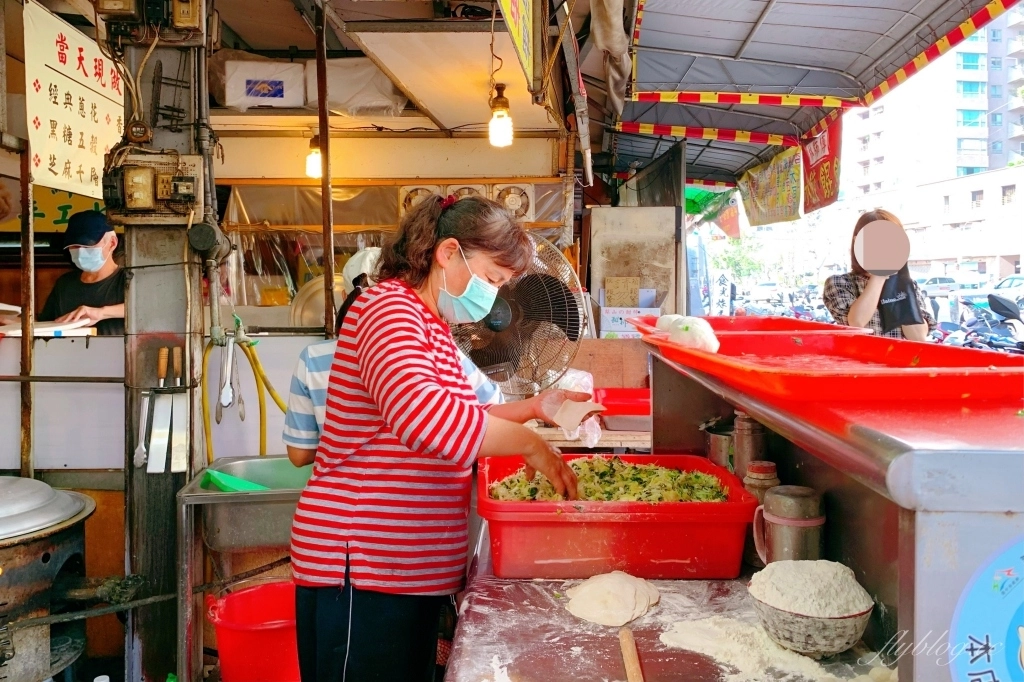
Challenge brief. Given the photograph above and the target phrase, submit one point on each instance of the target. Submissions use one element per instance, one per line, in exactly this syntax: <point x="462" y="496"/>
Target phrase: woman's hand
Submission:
<point x="546" y="459"/>
<point x="547" y="403"/>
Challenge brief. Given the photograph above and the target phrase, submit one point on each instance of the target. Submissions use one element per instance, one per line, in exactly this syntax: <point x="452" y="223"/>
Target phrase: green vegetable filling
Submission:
<point x="612" y="480"/>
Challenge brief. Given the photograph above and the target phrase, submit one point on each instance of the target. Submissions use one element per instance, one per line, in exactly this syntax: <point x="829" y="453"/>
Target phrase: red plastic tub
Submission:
<point x="646" y="324"/>
<point x="837" y="367"/>
<point x="626" y="409"/>
<point x="562" y="540"/>
<point x="256" y="633"/>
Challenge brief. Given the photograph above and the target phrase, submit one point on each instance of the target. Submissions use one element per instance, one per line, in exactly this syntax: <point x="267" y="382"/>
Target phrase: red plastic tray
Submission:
<point x="844" y="367"/>
<point x="624" y="402"/>
<point x="562" y="540"/>
<point x="646" y="324"/>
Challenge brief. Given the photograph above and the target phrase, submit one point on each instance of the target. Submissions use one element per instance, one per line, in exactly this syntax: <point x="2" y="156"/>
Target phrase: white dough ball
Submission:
<point x="666" y="322"/>
<point x="880" y="674"/>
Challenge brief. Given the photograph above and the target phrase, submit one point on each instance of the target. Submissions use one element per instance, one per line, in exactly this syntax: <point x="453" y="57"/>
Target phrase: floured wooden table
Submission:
<point x="520" y="631"/>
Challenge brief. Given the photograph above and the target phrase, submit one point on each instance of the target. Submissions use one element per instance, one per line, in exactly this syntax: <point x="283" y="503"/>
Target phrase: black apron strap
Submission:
<point x="343" y="310"/>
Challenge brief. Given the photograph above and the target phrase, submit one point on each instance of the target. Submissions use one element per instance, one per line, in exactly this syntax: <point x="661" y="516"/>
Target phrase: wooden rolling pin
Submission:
<point x="629" y="656"/>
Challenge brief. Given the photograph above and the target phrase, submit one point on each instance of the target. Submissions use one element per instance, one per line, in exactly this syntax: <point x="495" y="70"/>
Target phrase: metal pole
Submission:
<point x="326" y="201"/>
<point x="28" y="309"/>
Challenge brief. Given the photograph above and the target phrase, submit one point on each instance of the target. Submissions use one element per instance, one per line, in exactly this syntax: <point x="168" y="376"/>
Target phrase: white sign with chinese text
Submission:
<point x="75" y="104"/>
<point x="721" y="294"/>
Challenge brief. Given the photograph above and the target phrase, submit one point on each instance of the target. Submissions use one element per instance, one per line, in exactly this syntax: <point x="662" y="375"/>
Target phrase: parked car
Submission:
<point x="969" y="282"/>
<point x="939" y="286"/>
<point x="765" y="291"/>
<point x="1011" y="288"/>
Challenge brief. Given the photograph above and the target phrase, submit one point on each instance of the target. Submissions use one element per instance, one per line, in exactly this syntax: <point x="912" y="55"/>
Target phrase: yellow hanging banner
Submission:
<point x="51" y="208"/>
<point x="518" y="16"/>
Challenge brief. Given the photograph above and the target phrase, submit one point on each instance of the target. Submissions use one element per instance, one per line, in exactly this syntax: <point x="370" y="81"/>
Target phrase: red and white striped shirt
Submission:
<point x="391" y="481"/>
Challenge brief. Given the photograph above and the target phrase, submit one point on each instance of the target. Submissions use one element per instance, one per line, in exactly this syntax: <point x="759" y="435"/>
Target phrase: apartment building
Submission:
<point x="962" y="115"/>
<point x="968" y="224"/>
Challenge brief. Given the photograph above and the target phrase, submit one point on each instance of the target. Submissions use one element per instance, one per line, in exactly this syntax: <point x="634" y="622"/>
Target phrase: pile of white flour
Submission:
<point x="823" y="589"/>
<point x="746" y="648"/>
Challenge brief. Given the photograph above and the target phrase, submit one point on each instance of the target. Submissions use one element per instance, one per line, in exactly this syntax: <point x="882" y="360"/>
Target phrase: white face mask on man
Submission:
<point x="89" y="258"/>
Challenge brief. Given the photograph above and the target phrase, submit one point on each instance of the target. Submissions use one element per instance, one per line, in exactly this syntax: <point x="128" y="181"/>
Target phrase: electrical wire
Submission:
<point x="142" y="66"/>
<point x="501" y="62"/>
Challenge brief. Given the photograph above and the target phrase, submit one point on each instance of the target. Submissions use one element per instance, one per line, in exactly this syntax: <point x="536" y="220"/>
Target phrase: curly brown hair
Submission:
<point x="478" y="224"/>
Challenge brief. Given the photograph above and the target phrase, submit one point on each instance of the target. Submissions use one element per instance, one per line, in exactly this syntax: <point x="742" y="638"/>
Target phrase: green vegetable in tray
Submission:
<point x="612" y="480"/>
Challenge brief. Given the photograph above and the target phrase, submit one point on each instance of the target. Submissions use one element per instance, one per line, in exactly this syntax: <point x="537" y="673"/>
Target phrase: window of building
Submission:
<point x="945" y="204"/>
<point x="877" y="136"/>
<point x="877" y="186"/>
<point x="879" y="160"/>
<point x="1011" y="62"/>
<point x="1009" y="191"/>
<point x="995" y="35"/>
<point x="970" y="118"/>
<point x="996" y="120"/>
<point x="864" y="142"/>
<point x="964" y="144"/>
<point x="977" y="197"/>
<point x="967" y="61"/>
<point x="975" y="38"/>
<point x="880" y="109"/>
<point x="864" y="189"/>
<point x="997" y="147"/>
<point x="864" y="114"/>
<point x="995" y="92"/>
<point x="970" y="88"/>
<point x="995" y="64"/>
<point x="968" y="170"/>
<point x="865" y="167"/>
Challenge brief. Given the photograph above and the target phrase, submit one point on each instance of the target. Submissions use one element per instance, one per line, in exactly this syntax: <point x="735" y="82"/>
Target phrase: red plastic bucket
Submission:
<point x="256" y="633"/>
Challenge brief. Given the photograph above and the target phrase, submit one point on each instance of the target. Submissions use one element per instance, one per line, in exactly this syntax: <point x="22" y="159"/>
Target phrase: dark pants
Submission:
<point x="353" y="635"/>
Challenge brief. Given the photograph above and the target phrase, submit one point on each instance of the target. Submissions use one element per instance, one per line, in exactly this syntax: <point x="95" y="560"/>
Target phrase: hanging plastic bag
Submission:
<point x="898" y="305"/>
<point x="589" y="432"/>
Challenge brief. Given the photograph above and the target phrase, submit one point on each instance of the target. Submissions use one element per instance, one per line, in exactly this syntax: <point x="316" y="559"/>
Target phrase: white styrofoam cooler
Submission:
<point x="264" y="84"/>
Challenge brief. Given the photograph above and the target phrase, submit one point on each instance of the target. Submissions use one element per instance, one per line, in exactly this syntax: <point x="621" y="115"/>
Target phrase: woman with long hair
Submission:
<point x="853" y="298"/>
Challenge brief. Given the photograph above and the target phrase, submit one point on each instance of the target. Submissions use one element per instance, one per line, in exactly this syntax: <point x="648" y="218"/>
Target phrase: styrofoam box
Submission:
<point x="355" y="86"/>
<point x="613" y="319"/>
<point x="264" y="84"/>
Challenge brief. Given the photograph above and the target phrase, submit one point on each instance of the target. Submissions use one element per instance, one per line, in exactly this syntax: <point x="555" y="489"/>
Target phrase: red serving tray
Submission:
<point x="646" y="324"/>
<point x="624" y="402"/>
<point x="563" y="540"/>
<point x="845" y="367"/>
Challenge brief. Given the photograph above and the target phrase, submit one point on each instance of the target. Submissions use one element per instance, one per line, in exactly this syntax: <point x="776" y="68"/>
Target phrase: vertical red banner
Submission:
<point x="821" y="167"/>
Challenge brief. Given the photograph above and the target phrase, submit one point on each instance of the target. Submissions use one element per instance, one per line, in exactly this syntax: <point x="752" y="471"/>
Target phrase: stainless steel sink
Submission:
<point x="247" y="521"/>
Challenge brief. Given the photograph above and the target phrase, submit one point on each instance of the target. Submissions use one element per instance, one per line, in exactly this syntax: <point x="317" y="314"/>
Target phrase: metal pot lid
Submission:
<point x="308" y="305"/>
<point x="28" y="505"/>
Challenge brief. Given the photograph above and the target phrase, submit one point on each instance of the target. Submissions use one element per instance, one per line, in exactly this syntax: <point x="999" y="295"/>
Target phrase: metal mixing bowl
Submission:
<point x="809" y="635"/>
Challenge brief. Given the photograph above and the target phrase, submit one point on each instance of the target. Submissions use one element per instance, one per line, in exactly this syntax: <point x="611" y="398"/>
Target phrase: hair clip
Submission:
<point x="448" y="201"/>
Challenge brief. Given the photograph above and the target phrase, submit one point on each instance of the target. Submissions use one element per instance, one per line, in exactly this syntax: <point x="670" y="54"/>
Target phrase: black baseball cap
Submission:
<point x="86" y="228"/>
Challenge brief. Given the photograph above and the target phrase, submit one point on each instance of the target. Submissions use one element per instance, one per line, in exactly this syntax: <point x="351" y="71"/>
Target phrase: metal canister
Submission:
<point x="761" y="477"/>
<point x="748" y="442"/>
<point x="789" y="524"/>
<point x="718" y="445"/>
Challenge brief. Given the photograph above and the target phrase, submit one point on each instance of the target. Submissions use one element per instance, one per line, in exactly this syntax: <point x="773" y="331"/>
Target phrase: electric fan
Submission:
<point x="527" y="341"/>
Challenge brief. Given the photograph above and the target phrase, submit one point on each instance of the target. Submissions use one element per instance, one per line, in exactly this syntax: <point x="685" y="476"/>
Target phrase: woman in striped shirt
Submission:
<point x="379" y="539"/>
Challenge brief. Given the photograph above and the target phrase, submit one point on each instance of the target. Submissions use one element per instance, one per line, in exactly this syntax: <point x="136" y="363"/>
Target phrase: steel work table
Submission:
<point x="920" y="496"/>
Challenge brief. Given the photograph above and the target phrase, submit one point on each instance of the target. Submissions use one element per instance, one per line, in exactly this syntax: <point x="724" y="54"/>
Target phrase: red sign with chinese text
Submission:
<point x="821" y="167"/>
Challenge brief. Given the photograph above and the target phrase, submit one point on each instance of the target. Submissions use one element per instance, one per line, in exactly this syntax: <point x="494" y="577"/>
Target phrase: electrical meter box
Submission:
<point x="154" y="189"/>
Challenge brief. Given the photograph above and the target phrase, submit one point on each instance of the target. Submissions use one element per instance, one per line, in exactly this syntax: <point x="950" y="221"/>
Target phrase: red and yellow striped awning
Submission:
<point x="695" y="133"/>
<point x="941" y="47"/>
<point x="753" y="98"/>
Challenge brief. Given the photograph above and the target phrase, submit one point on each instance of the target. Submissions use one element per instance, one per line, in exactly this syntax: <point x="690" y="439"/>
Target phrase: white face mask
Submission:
<point x="89" y="258"/>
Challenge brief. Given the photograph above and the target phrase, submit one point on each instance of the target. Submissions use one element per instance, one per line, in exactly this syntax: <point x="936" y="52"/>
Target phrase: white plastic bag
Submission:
<point x="589" y="432"/>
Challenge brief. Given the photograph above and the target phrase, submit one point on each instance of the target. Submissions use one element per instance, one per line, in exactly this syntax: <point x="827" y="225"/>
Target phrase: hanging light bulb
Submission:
<point x="314" y="165"/>
<point x="500" y="127"/>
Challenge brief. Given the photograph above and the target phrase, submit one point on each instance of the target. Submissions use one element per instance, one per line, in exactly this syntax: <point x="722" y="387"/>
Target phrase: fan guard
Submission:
<point x="533" y="331"/>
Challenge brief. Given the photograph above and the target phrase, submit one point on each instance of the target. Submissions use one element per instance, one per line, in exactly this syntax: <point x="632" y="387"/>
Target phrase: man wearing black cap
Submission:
<point x="97" y="292"/>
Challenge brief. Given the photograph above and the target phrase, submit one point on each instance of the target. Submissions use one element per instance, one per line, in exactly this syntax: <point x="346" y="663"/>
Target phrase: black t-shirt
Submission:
<point x="70" y="292"/>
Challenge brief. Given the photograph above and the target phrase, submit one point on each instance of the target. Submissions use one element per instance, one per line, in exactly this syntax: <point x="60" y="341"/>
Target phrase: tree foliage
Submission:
<point x="739" y="259"/>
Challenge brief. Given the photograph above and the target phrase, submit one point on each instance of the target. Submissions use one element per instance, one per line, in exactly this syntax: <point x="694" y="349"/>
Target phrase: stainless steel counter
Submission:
<point x="919" y="495"/>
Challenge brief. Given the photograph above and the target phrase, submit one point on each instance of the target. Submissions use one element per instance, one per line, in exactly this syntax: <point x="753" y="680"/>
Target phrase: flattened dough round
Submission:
<point x="612" y="599"/>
